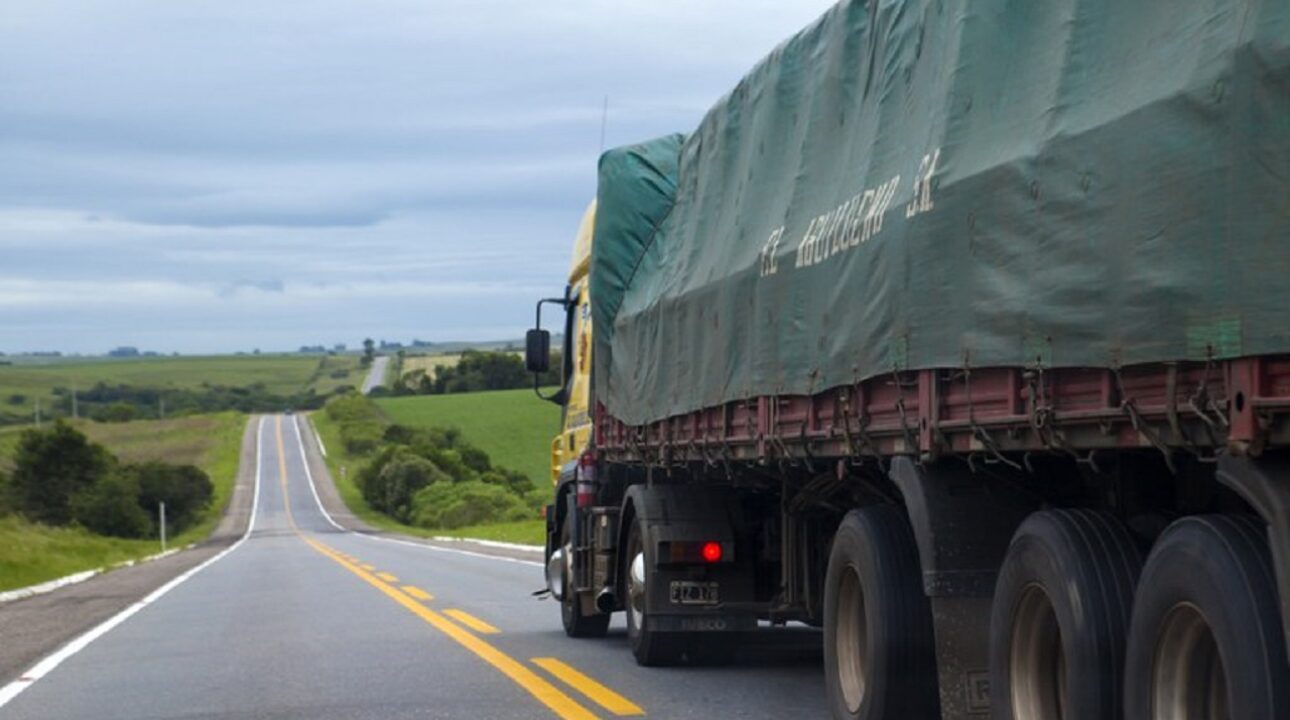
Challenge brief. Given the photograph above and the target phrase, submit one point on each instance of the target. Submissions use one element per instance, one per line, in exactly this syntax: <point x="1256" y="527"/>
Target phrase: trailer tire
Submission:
<point x="1206" y="639"/>
<point x="1060" y="617"/>
<point x="650" y="648"/>
<point x="576" y="623"/>
<point x="879" y="654"/>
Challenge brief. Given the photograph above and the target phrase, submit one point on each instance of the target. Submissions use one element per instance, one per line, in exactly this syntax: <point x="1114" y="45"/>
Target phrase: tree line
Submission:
<point x="475" y="371"/>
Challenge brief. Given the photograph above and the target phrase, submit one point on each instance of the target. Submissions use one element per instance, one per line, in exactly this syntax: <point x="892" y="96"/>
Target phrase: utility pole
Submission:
<point x="75" y="409"/>
<point x="161" y="408"/>
<point x="38" y="412"/>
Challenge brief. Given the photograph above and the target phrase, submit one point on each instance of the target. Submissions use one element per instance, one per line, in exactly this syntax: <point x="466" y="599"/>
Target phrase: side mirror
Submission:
<point x="537" y="351"/>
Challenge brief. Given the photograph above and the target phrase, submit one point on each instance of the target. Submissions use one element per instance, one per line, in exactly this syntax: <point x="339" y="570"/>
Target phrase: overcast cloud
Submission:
<point x="222" y="175"/>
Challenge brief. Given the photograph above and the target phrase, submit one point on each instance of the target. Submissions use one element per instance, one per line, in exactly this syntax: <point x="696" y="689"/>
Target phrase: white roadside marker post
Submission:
<point x="162" y="512"/>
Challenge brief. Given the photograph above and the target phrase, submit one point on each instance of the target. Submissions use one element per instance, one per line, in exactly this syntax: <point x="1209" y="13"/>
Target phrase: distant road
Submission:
<point x="376" y="377"/>
<point x="305" y="619"/>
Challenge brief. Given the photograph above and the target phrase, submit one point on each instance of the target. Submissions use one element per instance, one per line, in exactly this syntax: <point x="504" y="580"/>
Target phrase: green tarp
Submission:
<point x="929" y="183"/>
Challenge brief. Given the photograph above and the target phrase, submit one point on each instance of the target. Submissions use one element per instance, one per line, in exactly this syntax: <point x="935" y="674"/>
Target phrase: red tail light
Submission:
<point x="711" y="552"/>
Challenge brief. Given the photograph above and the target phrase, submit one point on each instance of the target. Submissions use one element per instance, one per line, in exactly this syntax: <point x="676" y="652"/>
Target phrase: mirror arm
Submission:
<point x="559" y="396"/>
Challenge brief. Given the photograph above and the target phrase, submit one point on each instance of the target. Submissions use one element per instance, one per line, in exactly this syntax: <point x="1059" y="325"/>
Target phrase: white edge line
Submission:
<point x="321" y="445"/>
<point x="489" y="543"/>
<point x="45" y="666"/>
<point x="304" y="458"/>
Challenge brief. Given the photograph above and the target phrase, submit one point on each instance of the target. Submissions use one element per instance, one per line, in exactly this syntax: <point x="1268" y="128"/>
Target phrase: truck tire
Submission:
<point x="576" y="623"/>
<point x="1205" y="641"/>
<point x="650" y="648"/>
<point x="879" y="655"/>
<point x="1060" y="617"/>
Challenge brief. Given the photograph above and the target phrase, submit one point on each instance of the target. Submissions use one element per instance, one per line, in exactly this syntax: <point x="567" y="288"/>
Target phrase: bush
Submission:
<point x="400" y="480"/>
<point x="111" y="507"/>
<point x="185" y="489"/>
<point x="389" y="481"/>
<point x="361" y="438"/>
<point x="50" y="467"/>
<point x="516" y="482"/>
<point x="454" y="505"/>
<point x="360" y="422"/>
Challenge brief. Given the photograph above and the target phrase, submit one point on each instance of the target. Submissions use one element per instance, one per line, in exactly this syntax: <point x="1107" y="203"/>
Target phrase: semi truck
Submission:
<point x="958" y="330"/>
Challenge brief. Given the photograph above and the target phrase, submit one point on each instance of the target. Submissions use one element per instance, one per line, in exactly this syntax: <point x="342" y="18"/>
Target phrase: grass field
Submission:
<point x="514" y="427"/>
<point x="21" y="385"/>
<point x="31" y="553"/>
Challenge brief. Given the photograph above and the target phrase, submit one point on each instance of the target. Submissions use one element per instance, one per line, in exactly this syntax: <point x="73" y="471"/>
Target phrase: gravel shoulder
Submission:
<point x="35" y="627"/>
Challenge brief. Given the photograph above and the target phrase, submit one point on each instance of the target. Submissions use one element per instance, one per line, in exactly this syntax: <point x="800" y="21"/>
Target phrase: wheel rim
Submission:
<point x="851" y="640"/>
<point x="1037" y="662"/>
<point x="636" y="589"/>
<point x="1188" y="681"/>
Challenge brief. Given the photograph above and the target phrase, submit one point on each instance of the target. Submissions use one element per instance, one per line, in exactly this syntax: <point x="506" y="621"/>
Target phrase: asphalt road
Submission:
<point x="303" y="619"/>
<point x="376" y="375"/>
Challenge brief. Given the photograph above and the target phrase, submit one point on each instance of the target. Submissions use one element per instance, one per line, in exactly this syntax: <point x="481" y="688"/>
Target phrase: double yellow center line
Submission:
<point x="546" y="693"/>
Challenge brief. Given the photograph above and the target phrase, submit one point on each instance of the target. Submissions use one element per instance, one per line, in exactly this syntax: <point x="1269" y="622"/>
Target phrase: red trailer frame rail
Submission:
<point x="998" y="413"/>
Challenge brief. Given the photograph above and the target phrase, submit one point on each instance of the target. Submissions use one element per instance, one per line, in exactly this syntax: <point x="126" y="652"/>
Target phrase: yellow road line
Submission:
<point x="549" y="695"/>
<point x="471" y="621"/>
<point x="417" y="592"/>
<point x="369" y="568"/>
<point x="387" y="577"/>
<point x="603" y="696"/>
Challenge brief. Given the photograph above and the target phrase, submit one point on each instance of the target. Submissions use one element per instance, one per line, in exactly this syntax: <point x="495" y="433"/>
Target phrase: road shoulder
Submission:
<point x="34" y="627"/>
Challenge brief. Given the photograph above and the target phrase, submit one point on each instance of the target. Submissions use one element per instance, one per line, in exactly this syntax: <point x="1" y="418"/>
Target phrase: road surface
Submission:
<point x="376" y="376"/>
<point x="305" y="620"/>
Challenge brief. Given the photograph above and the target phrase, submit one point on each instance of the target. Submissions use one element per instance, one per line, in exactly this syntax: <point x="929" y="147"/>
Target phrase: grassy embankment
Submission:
<point x="513" y="426"/>
<point x="22" y="385"/>
<point x="32" y="553"/>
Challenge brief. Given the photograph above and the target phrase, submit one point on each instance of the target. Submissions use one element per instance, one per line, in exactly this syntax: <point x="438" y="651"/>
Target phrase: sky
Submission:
<point x="218" y="176"/>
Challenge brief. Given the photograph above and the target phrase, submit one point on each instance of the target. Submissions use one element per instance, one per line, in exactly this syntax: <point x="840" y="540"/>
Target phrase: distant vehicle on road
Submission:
<point x="962" y="345"/>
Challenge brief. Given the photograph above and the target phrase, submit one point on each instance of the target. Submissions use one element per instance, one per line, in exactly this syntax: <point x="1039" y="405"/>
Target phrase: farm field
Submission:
<point x="32" y="553"/>
<point x="25" y="383"/>
<point x="514" y="427"/>
<point x="426" y="364"/>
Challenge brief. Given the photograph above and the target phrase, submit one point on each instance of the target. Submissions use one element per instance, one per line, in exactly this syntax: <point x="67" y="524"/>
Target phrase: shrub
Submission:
<point x="185" y="489"/>
<point x="111" y="507"/>
<point x="50" y="467"/>
<point x="361" y="438"/>
<point x="360" y="422"/>
<point x="454" y="505"/>
<point x="516" y="482"/>
<point x="394" y="477"/>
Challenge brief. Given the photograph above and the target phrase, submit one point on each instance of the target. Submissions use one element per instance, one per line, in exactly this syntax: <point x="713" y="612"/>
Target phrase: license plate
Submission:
<point x="685" y="592"/>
